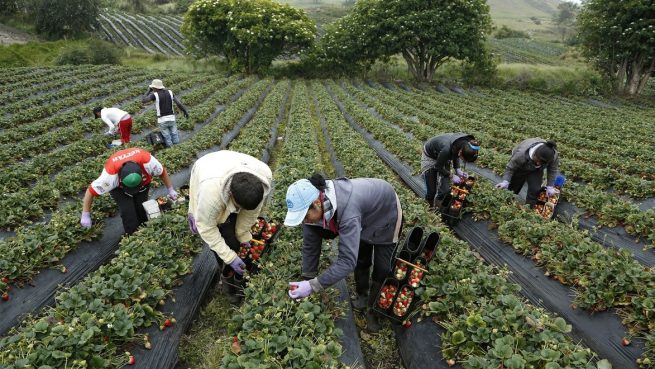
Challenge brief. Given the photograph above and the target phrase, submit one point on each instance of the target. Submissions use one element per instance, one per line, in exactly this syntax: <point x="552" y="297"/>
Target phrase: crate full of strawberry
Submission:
<point x="387" y="294"/>
<point x="403" y="301"/>
<point x="416" y="275"/>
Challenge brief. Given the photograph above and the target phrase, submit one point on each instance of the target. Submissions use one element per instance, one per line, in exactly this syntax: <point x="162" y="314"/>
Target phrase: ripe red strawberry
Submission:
<point x="131" y="360"/>
<point x="5" y="296"/>
<point x="625" y="342"/>
<point x="407" y="323"/>
<point x="5" y="280"/>
<point x="168" y="323"/>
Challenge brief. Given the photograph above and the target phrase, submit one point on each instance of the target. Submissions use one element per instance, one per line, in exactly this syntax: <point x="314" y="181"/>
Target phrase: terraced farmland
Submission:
<point x="506" y="288"/>
<point x="159" y="34"/>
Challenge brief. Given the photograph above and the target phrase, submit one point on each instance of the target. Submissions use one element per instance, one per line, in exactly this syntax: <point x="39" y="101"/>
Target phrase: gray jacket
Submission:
<point x="440" y="147"/>
<point x="521" y="161"/>
<point x="367" y="211"/>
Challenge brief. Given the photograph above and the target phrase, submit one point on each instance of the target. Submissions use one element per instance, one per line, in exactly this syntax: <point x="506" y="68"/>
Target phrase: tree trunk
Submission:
<point x="422" y="65"/>
<point x="619" y="82"/>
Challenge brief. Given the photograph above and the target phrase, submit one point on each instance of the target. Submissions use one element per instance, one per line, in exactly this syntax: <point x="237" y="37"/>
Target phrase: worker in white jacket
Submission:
<point x="227" y="191"/>
<point x="117" y="120"/>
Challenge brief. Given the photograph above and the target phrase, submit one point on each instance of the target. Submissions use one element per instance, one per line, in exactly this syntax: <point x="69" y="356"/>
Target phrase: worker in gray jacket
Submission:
<point x="164" y="100"/>
<point x="365" y="214"/>
<point x="439" y="154"/>
<point x="528" y="161"/>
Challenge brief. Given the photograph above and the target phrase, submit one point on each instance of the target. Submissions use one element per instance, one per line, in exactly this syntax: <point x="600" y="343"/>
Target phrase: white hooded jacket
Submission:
<point x="210" y="201"/>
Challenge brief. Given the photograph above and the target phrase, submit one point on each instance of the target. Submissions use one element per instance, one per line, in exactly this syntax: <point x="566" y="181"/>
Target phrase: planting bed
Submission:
<point x="505" y="287"/>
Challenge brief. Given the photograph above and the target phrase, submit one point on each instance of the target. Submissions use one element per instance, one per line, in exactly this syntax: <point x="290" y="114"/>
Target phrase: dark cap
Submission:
<point x="131" y="177"/>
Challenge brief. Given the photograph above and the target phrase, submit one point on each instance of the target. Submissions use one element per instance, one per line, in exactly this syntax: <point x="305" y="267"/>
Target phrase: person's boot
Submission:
<point x="361" y="287"/>
<point x="372" y="318"/>
<point x="228" y="286"/>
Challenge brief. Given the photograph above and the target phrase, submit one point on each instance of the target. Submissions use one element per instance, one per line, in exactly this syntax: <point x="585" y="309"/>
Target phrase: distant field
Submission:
<point x="522" y="50"/>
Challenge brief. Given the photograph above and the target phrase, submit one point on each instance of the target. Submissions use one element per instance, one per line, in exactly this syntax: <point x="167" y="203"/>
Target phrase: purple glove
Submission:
<point x="85" y="219"/>
<point x="298" y="290"/>
<point x="461" y="173"/>
<point x="246" y="244"/>
<point x="550" y="191"/>
<point x="503" y="185"/>
<point x="457" y="179"/>
<point x="172" y="194"/>
<point x="238" y="265"/>
<point x="192" y="224"/>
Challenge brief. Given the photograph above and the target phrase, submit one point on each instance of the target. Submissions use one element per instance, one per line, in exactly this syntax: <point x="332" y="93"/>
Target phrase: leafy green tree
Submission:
<point x="565" y="19"/>
<point x="619" y="38"/>
<point x="248" y="33"/>
<point x="425" y="32"/>
<point x="64" y="18"/>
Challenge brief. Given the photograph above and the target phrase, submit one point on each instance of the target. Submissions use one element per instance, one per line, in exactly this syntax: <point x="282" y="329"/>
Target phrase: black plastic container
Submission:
<point x="384" y="306"/>
<point x="413" y="242"/>
<point x="428" y="245"/>
<point x="405" y="255"/>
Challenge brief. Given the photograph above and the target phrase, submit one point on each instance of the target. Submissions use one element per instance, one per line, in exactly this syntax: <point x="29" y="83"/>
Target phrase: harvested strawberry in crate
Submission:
<point x="400" y="271"/>
<point x="416" y="274"/>
<point x="403" y="301"/>
<point x="387" y="293"/>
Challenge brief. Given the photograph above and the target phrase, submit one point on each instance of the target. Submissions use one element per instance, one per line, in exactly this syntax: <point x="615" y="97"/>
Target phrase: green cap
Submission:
<point x="132" y="180"/>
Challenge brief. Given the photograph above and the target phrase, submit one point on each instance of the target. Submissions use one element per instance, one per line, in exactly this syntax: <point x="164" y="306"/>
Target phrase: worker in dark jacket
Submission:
<point x="164" y="100"/>
<point x="439" y="153"/>
<point x="528" y="161"/>
<point x="365" y="214"/>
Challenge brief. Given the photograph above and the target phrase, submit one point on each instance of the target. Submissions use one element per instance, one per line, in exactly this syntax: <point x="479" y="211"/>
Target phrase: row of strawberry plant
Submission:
<point x="610" y="209"/>
<point x="153" y="23"/>
<point x="66" y="85"/>
<point x="160" y="43"/>
<point x="58" y="79"/>
<point x="475" y="119"/>
<point x="24" y="131"/>
<point x="271" y="329"/>
<point x="487" y="324"/>
<point x="42" y="245"/>
<point x="125" y="80"/>
<point x="603" y="278"/>
<point x="581" y="130"/>
<point x="26" y="77"/>
<point x="15" y="177"/>
<point x="92" y="320"/>
<point x="143" y="35"/>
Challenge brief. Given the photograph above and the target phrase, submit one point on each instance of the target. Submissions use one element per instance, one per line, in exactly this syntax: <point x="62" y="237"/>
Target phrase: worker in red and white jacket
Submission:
<point x="117" y="120"/>
<point x="126" y="176"/>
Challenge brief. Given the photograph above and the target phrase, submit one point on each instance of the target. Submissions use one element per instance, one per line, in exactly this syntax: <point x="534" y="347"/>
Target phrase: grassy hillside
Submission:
<point x="517" y="14"/>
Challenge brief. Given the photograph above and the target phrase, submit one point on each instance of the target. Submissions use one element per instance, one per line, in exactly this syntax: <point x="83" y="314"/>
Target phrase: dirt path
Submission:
<point x="10" y="35"/>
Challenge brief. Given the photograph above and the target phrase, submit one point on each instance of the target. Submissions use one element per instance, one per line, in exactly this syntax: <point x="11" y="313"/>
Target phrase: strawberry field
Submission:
<point x="155" y="35"/>
<point x="505" y="288"/>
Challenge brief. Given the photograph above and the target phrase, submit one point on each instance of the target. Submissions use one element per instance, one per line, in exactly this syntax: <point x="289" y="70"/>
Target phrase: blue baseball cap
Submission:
<point x="300" y="196"/>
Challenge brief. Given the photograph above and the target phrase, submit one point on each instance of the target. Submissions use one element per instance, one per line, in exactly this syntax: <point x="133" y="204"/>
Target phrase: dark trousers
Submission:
<point x="380" y="256"/>
<point x="130" y="208"/>
<point x="437" y="185"/>
<point x="534" y="179"/>
<point x="229" y="234"/>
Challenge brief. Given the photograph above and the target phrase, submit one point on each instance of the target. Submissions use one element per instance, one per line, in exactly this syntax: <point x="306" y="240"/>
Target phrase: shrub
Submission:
<point x="92" y="52"/>
<point x="506" y="32"/>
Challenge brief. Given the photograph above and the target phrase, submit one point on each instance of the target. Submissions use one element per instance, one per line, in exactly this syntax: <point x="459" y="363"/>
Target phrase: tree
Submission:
<point x="619" y="38"/>
<point x="248" y="33"/>
<point x="425" y="32"/>
<point x="65" y="18"/>
<point x="565" y="19"/>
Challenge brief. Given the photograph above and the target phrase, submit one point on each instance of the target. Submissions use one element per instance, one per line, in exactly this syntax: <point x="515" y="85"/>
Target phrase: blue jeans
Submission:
<point x="169" y="131"/>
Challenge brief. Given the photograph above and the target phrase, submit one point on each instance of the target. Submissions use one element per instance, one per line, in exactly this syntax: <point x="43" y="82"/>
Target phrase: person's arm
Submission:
<point x="110" y="124"/>
<point x="515" y="162"/>
<point x="553" y="171"/>
<point x="148" y="97"/>
<point x="245" y="220"/>
<point x="88" y="201"/>
<point x="442" y="159"/>
<point x="311" y="251"/>
<point x="205" y="217"/>
<point x="181" y="106"/>
<point x="349" y="237"/>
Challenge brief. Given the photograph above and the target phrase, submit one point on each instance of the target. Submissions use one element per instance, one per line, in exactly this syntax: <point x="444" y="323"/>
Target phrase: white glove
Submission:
<point x="503" y="185"/>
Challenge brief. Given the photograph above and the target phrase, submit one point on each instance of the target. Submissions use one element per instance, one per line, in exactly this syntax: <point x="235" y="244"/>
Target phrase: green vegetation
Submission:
<point x="506" y="32"/>
<point x="249" y="33"/>
<point x="36" y="53"/>
<point x="524" y="50"/>
<point x="422" y="33"/>
<point x="618" y="38"/>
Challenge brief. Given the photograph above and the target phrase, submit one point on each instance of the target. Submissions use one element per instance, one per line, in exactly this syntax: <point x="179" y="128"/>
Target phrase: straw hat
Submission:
<point x="157" y="83"/>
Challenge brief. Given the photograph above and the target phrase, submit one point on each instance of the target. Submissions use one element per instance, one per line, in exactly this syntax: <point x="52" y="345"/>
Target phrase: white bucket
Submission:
<point x="117" y="142"/>
<point x="152" y="209"/>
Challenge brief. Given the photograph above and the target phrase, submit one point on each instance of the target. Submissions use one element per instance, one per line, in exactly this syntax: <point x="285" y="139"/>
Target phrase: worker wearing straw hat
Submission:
<point x="164" y="100"/>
